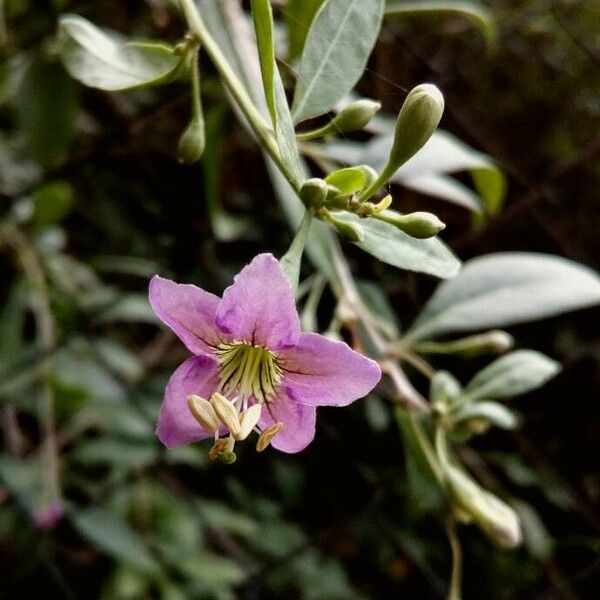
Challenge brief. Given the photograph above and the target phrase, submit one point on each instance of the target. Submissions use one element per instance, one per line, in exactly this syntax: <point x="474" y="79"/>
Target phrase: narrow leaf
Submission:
<point x="115" y="537"/>
<point x="492" y="412"/>
<point x="262" y="16"/>
<point x="511" y="375"/>
<point x="506" y="288"/>
<point x="475" y="12"/>
<point x="337" y="47"/>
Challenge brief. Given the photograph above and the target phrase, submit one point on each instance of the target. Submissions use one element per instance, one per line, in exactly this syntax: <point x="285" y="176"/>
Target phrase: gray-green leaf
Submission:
<point x="511" y="375"/>
<point x="389" y="244"/>
<point x="335" y="54"/>
<point x="492" y="412"/>
<point x="109" y="61"/>
<point x="505" y="288"/>
<point x="115" y="537"/>
<point x="475" y="12"/>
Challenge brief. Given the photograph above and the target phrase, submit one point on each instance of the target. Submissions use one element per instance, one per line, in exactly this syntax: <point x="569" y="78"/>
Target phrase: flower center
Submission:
<point x="247" y="370"/>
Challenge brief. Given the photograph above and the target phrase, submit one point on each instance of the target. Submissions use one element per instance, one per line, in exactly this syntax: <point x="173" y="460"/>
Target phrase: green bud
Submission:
<point x="474" y="504"/>
<point x="313" y="192"/>
<point x="444" y="390"/>
<point x="491" y="342"/>
<point x="354" y="117"/>
<point x="351" y="231"/>
<point x="418" y="119"/>
<point x="420" y="225"/>
<point x="192" y="142"/>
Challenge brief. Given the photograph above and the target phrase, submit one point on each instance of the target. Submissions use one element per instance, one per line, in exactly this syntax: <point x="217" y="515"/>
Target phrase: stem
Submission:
<point x="196" y="94"/>
<point x="423" y="441"/>
<point x="454" y="593"/>
<point x="258" y="125"/>
<point x="290" y="261"/>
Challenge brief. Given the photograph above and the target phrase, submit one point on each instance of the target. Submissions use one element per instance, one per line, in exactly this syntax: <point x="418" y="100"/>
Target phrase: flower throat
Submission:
<point x="247" y="370"/>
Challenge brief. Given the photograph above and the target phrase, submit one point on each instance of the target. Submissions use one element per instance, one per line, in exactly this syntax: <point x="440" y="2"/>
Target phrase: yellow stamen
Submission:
<point x="264" y="439"/>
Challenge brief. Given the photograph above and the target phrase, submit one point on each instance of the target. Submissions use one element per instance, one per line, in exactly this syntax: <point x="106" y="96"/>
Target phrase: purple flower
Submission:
<point x="46" y="517"/>
<point x="254" y="368"/>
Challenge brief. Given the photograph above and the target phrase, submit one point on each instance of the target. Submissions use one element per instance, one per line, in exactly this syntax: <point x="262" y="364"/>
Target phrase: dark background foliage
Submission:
<point x="93" y="181"/>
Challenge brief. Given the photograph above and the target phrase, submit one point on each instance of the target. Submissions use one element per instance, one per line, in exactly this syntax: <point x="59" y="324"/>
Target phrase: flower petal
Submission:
<point x="321" y="372"/>
<point x="176" y="425"/>
<point x="298" y="423"/>
<point x="259" y="307"/>
<point x="188" y="310"/>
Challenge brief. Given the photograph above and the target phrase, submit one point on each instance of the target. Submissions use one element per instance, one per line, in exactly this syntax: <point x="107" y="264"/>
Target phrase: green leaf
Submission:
<point x="348" y="180"/>
<point x="376" y="302"/>
<point x="392" y="246"/>
<point x="475" y="12"/>
<point x="49" y="126"/>
<point x="505" y="288"/>
<point x="118" y="452"/>
<point x="511" y="375"/>
<point x="299" y="15"/>
<point x="51" y="203"/>
<point x="537" y="539"/>
<point x="262" y="16"/>
<point x="492" y="412"/>
<point x="337" y="47"/>
<point x="109" y="61"/>
<point x="112" y="535"/>
<point x="284" y="131"/>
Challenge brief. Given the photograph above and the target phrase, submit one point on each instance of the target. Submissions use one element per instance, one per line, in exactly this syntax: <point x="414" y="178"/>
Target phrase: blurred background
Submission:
<point x="93" y="203"/>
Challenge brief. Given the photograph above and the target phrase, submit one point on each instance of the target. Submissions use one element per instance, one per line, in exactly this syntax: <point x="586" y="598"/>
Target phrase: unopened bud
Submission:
<point x="264" y="439"/>
<point x="248" y="420"/>
<point x="227" y="412"/>
<point x="313" y="192"/>
<point x="349" y="180"/>
<point x="444" y="390"/>
<point x="498" y="520"/>
<point x="192" y="142"/>
<point x="204" y="413"/>
<point x="491" y="342"/>
<point x="420" y="225"/>
<point x="418" y="119"/>
<point x="354" y="117"/>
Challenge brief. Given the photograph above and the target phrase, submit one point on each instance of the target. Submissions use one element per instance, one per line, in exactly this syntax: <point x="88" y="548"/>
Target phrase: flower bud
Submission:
<point x="248" y="420"/>
<point x="264" y="439"/>
<point x="354" y="117"/>
<point x="418" y="119"/>
<point x="444" y="390"/>
<point x="204" y="413"/>
<point x="420" y="225"/>
<point x="227" y="413"/>
<point x="192" y="142"/>
<point x="491" y="342"/>
<point x="498" y="520"/>
<point x="313" y="192"/>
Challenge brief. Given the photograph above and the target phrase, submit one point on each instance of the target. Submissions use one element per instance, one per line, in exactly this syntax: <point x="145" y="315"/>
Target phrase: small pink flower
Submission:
<point x="250" y="350"/>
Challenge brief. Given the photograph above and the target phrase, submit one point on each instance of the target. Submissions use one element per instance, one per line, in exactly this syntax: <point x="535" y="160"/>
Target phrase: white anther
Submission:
<point x="248" y="420"/>
<point x="204" y="413"/>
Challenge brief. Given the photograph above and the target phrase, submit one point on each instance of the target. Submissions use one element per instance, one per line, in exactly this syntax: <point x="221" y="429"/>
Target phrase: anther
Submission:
<point x="227" y="413"/>
<point x="204" y="413"/>
<point x="248" y="420"/>
<point x="264" y="439"/>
